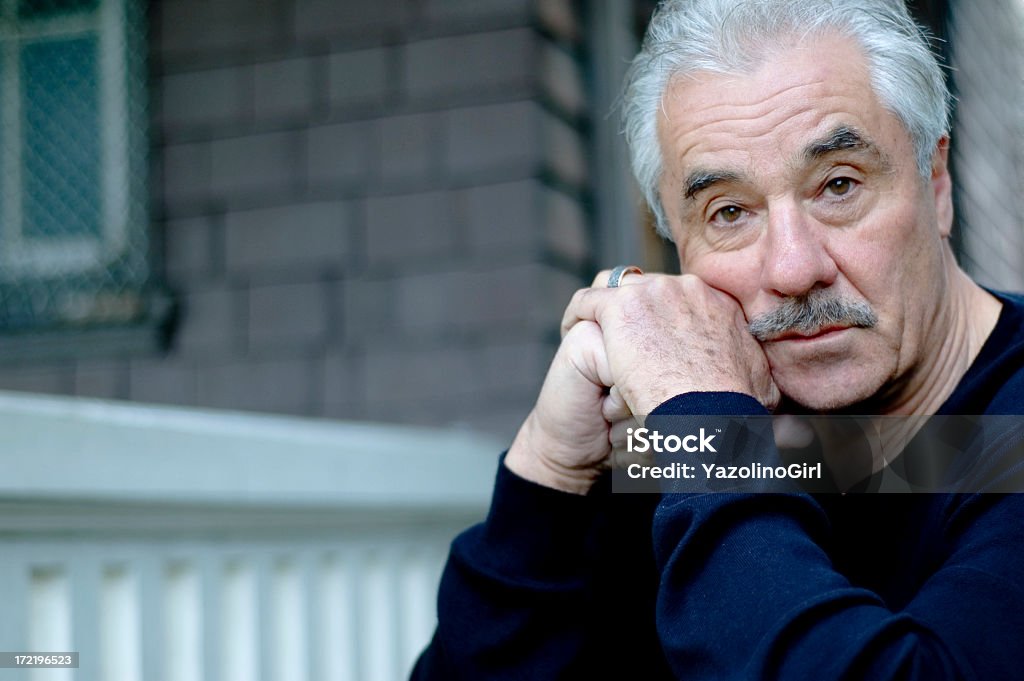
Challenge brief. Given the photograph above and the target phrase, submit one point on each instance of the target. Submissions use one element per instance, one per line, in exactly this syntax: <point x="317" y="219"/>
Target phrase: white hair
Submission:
<point x="732" y="36"/>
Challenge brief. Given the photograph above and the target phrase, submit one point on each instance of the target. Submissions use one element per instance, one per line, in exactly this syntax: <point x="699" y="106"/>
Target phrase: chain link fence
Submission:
<point x="987" y="40"/>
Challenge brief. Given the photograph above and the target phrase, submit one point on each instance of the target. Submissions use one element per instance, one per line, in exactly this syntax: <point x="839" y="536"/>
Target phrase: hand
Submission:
<point x="564" y="441"/>
<point x="666" y="335"/>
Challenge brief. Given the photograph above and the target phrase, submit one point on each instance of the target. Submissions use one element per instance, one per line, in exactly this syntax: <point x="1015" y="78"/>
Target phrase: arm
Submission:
<point x="552" y="585"/>
<point x="749" y="592"/>
<point x="558" y="585"/>
<point x="525" y="595"/>
<point x="514" y="588"/>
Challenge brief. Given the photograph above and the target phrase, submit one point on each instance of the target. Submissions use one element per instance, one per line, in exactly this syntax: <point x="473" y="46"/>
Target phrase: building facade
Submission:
<point x="378" y="210"/>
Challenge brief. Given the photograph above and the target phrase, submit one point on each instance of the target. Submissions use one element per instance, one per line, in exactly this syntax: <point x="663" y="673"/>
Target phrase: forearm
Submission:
<point x="748" y="592"/>
<point x="749" y="588"/>
<point x="514" y="594"/>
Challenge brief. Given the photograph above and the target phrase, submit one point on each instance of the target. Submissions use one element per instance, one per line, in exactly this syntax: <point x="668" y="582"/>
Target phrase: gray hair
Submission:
<point x="730" y="36"/>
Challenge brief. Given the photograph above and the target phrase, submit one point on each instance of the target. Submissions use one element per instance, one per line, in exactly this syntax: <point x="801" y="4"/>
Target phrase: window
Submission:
<point x="73" y="219"/>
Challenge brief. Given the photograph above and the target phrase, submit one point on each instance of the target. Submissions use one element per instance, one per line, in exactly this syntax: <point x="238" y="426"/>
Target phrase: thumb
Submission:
<point x="586" y="353"/>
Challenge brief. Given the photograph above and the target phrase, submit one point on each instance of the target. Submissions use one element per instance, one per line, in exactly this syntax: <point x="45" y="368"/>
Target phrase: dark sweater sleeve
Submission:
<point x="748" y="591"/>
<point x="513" y="588"/>
<point x="550" y="586"/>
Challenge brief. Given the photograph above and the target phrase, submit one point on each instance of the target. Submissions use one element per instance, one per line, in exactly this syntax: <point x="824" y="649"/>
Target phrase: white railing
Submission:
<point x="168" y="544"/>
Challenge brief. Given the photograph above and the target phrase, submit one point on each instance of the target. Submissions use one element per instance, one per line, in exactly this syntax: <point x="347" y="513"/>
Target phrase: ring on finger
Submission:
<point x="615" y="278"/>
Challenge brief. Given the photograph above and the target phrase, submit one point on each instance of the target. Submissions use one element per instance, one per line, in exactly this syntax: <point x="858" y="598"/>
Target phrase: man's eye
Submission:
<point x="840" y="186"/>
<point x="728" y="214"/>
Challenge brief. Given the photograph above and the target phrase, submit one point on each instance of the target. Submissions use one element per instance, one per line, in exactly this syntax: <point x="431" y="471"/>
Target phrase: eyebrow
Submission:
<point x="842" y="138"/>
<point x="699" y="180"/>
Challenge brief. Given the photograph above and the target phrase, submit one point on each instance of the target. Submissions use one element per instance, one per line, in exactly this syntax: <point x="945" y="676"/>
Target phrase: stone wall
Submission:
<point x="366" y="209"/>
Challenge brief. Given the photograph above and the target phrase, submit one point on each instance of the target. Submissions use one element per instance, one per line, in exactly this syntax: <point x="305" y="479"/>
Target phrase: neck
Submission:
<point x="963" y="321"/>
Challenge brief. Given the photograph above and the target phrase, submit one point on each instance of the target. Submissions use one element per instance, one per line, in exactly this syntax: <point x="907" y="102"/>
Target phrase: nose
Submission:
<point x="796" y="259"/>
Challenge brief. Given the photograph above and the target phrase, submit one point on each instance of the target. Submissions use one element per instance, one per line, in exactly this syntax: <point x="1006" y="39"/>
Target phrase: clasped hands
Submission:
<point x="624" y="351"/>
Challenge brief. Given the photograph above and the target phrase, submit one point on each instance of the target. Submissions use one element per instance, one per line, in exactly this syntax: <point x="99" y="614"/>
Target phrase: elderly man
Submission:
<point x="796" y="153"/>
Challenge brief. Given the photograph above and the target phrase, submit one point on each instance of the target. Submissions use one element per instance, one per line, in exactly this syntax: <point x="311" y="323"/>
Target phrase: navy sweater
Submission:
<point x="733" y="586"/>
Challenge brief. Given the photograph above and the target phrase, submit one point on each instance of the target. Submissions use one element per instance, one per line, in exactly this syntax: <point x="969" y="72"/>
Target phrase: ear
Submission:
<point x="942" y="188"/>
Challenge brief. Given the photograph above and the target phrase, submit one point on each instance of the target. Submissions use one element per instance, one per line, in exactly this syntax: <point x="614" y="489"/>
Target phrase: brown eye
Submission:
<point x="730" y="214"/>
<point x="840" y="186"/>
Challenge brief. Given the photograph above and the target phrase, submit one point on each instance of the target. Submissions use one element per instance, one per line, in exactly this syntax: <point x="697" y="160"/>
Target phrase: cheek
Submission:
<point x="889" y="257"/>
<point x="736" y="273"/>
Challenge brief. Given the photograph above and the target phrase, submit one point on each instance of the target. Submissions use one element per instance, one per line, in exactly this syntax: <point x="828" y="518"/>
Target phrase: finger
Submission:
<point x="618" y="432"/>
<point x="613" y="407"/>
<point x="587" y="303"/>
<point x="601" y="279"/>
<point x="580" y="309"/>
<point x="600" y="283"/>
<point x="621" y="457"/>
<point x="586" y="353"/>
<point x="633" y="275"/>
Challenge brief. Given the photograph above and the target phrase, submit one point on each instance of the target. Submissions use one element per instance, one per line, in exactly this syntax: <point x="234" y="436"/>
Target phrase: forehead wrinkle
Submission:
<point x="761" y="104"/>
<point x="769" y="114"/>
<point x="707" y="128"/>
<point x="736" y="112"/>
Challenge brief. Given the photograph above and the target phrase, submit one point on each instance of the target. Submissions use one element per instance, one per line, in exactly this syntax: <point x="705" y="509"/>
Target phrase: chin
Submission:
<point x="827" y="391"/>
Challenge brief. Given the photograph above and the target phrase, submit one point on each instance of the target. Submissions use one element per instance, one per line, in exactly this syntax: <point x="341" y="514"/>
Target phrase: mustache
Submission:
<point x="806" y="314"/>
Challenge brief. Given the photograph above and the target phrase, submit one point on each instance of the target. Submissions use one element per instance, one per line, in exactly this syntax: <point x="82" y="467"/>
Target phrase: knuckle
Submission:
<point x="581" y="331"/>
<point x="577" y="297"/>
<point x="660" y="285"/>
<point x="691" y="282"/>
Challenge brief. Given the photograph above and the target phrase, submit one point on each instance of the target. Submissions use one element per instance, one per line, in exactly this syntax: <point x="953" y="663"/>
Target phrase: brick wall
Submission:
<point x="369" y="209"/>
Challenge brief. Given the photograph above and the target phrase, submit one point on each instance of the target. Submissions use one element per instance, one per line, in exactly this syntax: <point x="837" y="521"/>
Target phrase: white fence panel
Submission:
<point x="169" y="544"/>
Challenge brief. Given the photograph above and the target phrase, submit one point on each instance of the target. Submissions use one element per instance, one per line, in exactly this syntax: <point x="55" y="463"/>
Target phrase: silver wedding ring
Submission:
<point x="615" y="278"/>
